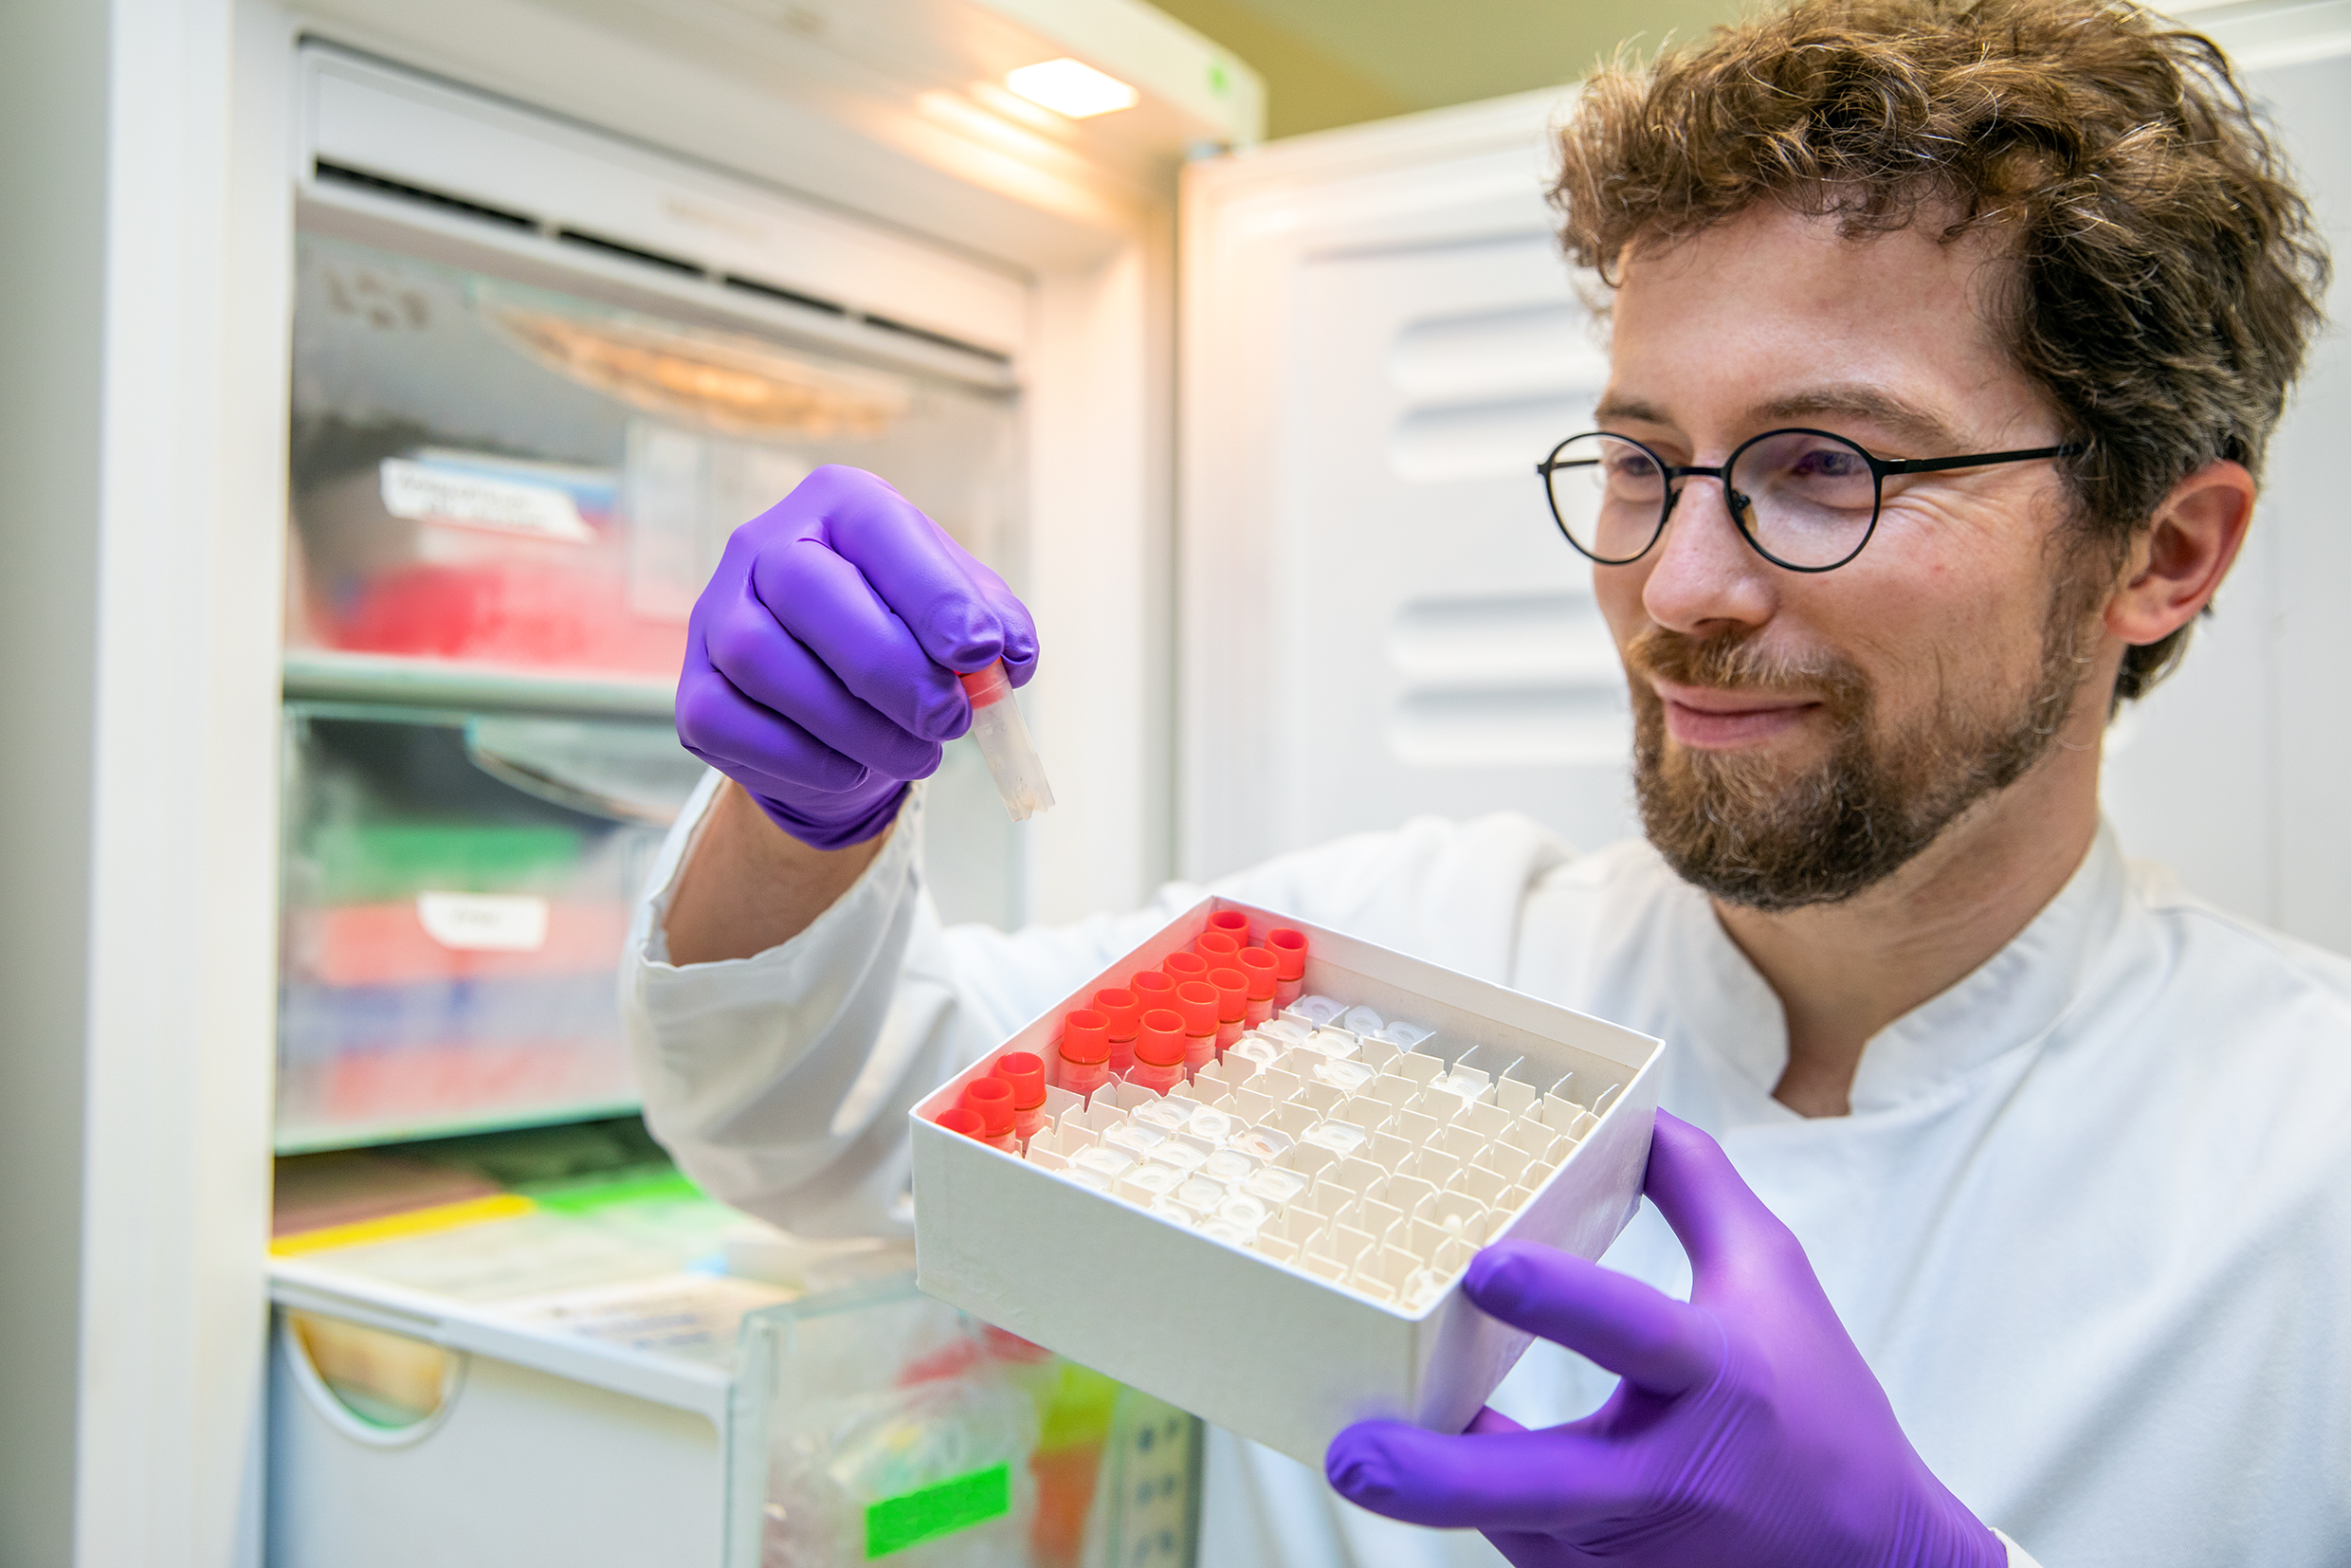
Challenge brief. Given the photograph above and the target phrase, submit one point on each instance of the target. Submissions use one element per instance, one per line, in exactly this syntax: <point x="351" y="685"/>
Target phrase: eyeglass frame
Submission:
<point x="1742" y="507"/>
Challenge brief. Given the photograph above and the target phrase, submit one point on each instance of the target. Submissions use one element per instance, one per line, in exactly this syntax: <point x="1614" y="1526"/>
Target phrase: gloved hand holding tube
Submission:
<point x="1748" y="1432"/>
<point x="822" y="658"/>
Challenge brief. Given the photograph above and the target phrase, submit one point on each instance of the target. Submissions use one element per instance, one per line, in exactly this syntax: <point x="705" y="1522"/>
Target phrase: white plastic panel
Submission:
<point x="408" y="128"/>
<point x="1380" y="617"/>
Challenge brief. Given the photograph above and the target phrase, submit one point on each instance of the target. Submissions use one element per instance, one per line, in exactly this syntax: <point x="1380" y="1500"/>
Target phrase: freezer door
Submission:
<point x="1376" y="614"/>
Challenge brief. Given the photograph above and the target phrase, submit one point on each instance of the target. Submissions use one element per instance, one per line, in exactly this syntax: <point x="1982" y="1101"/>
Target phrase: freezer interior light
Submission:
<point x="1071" y="88"/>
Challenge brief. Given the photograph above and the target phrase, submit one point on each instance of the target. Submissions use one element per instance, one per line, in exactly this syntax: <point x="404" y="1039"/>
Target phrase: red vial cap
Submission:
<point x="1217" y="946"/>
<point x="1185" y="966"/>
<point x="1162" y="1042"/>
<point x="1232" y="994"/>
<point x="1196" y="1001"/>
<point x="1122" y="1013"/>
<point x="993" y="1099"/>
<point x="1289" y="950"/>
<point x="1263" y="970"/>
<point x="963" y="1118"/>
<point x="1153" y="988"/>
<point x="1084" y="1037"/>
<point x="1232" y="921"/>
<point x="1024" y="1071"/>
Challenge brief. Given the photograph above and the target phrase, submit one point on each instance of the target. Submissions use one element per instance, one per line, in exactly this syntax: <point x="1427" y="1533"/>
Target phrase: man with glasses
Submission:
<point x="1945" y="342"/>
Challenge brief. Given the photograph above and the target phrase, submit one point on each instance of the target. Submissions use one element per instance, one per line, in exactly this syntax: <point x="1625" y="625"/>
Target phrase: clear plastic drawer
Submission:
<point x="456" y="893"/>
<point x="486" y="473"/>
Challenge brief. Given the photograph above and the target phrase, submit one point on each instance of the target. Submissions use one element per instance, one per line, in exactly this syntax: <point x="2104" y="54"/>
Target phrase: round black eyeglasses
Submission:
<point x="1806" y="500"/>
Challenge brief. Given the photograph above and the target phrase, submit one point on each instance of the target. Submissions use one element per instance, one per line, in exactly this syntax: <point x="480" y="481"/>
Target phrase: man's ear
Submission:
<point x="2177" y="560"/>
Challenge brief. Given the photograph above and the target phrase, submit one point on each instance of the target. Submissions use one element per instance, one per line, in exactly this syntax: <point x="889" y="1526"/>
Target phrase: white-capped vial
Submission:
<point x="1213" y="1126"/>
<point x="1200" y="1193"/>
<point x="1135" y="1137"/>
<point x="1317" y="1010"/>
<point x="1103" y="1159"/>
<point x="1228" y="1166"/>
<point x="1362" y="1020"/>
<point x="1167" y="1115"/>
<point x="1263" y="1142"/>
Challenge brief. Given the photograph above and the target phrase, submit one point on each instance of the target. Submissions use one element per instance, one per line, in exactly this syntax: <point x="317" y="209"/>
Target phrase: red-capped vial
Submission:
<point x="1154" y="988"/>
<point x="1217" y="947"/>
<point x="993" y="1099"/>
<point x="1231" y="987"/>
<point x="963" y="1118"/>
<point x="1181" y="967"/>
<point x="1024" y="1071"/>
<point x="1196" y="1001"/>
<point x="1232" y="921"/>
<point x="1288" y="948"/>
<point x="1159" y="1052"/>
<point x="1265" y="973"/>
<point x="1085" y="1050"/>
<point x="1123" y="1010"/>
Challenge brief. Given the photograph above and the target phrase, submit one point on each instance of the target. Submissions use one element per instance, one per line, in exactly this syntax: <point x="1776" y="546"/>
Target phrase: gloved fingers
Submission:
<point x="1634" y="1330"/>
<point x="765" y="663"/>
<point x="758" y="747"/>
<point x="924" y="576"/>
<point x="1020" y="628"/>
<point x="1717" y="1215"/>
<point x="1522" y="1481"/>
<point x="827" y="603"/>
<point x="1527" y="1549"/>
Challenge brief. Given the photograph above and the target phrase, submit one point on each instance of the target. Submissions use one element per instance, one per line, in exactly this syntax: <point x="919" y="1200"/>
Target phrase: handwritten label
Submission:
<point x="430" y="493"/>
<point x="485" y="922"/>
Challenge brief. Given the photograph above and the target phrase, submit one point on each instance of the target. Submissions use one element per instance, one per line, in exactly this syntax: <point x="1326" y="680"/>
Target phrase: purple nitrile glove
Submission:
<point x="821" y="658"/>
<point x="1747" y="1433"/>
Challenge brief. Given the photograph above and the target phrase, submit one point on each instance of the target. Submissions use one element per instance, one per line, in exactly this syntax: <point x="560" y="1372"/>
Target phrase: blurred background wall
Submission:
<point x="1340" y="61"/>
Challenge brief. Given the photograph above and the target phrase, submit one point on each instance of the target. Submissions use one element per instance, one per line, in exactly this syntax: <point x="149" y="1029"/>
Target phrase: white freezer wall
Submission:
<point x="1378" y="617"/>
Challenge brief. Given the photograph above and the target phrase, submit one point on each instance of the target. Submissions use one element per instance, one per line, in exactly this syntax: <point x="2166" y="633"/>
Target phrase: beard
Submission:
<point x="1748" y="830"/>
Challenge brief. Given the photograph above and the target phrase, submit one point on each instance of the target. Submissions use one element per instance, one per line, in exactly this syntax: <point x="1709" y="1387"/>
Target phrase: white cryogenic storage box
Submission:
<point x="1275" y="1350"/>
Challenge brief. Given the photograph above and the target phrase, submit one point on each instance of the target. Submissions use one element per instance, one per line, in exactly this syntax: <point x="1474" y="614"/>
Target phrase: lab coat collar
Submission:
<point x="2011" y="1001"/>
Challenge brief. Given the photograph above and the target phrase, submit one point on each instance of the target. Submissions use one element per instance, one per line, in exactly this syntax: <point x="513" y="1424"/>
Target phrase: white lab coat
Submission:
<point x="2090" y="1219"/>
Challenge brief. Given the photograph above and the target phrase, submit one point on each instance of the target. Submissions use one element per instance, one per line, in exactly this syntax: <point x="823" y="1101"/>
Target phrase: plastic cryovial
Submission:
<point x="1159" y="1051"/>
<point x="963" y="1118"/>
<point x="1085" y="1050"/>
<point x="1288" y="948"/>
<point x="1231" y="987"/>
<point x="1154" y="988"/>
<point x="1232" y="922"/>
<point x="1195" y="1000"/>
<point x="991" y="1099"/>
<point x="1002" y="736"/>
<point x="1181" y="967"/>
<point x="1265" y="973"/>
<point x="1024" y="1071"/>
<point x="1123" y="1010"/>
<point x="1217" y="947"/>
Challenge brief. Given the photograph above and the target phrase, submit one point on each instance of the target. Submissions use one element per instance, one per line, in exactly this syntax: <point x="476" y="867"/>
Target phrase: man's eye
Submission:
<point x="1829" y="463"/>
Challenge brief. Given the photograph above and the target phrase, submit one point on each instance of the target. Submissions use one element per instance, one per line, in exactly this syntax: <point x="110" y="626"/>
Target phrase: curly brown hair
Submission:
<point x="2168" y="273"/>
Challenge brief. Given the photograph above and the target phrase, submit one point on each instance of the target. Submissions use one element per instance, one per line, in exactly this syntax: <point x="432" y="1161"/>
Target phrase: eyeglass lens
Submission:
<point x="1806" y="500"/>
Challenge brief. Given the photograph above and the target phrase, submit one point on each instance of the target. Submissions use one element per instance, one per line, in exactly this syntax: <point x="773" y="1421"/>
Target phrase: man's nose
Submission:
<point x="1704" y="577"/>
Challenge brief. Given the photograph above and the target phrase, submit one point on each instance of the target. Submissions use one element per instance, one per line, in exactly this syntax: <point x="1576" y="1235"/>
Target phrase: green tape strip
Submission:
<point x="940" y="1509"/>
<point x="586" y="1196"/>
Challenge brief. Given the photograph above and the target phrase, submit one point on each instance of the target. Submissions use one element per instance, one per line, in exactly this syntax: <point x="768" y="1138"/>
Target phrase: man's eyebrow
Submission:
<point x="1928" y="434"/>
<point x="1629" y="408"/>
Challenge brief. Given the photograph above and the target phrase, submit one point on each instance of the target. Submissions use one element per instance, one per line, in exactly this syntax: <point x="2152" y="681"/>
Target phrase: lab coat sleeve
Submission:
<point x="781" y="1082"/>
<point x="2017" y="1556"/>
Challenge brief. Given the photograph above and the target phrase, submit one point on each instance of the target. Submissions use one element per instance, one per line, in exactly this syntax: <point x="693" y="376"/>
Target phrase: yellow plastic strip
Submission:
<point x="416" y="1222"/>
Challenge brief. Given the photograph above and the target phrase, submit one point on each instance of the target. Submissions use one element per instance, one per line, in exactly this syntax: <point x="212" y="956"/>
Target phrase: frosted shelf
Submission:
<point x="418" y="682"/>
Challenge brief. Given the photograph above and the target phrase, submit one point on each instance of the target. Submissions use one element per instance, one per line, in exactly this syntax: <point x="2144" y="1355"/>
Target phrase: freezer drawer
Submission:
<point x="489" y="473"/>
<point x="869" y="1425"/>
<point x="455" y="895"/>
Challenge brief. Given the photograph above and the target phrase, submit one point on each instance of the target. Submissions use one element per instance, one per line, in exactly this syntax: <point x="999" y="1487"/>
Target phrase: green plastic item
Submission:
<point x="939" y="1509"/>
<point x="363" y="863"/>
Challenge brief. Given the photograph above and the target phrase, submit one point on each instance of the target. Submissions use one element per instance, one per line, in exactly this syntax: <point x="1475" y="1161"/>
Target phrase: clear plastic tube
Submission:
<point x="1002" y="736"/>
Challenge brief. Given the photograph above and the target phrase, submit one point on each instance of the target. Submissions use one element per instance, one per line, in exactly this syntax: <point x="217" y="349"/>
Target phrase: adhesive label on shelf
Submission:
<point x="431" y="492"/>
<point x="485" y="922"/>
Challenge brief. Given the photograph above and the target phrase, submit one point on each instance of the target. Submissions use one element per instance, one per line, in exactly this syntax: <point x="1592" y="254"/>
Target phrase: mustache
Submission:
<point x="1735" y="660"/>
